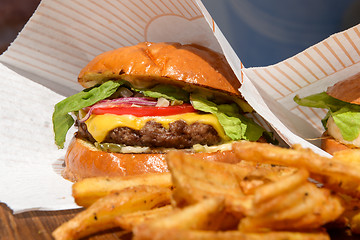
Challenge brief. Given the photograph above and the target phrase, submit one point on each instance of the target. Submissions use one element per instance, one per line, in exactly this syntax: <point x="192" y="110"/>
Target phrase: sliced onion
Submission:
<point x="125" y="93"/>
<point x="162" y="102"/>
<point x="129" y="102"/>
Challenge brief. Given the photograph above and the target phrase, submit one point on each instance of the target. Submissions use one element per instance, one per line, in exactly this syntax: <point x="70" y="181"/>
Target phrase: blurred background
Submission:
<point x="262" y="32"/>
<point x="13" y="15"/>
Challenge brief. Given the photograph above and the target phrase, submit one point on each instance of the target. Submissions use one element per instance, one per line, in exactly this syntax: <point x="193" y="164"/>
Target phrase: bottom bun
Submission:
<point x="83" y="160"/>
<point x="331" y="145"/>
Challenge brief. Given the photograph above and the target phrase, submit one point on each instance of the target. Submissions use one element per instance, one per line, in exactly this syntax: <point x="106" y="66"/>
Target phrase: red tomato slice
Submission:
<point x="145" y="111"/>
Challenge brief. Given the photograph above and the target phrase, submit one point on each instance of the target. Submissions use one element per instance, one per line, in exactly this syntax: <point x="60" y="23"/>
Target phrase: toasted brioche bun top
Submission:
<point x="347" y="90"/>
<point x="148" y="63"/>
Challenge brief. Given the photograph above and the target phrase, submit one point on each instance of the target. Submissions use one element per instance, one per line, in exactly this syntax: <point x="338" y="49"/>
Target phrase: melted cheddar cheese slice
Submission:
<point x="100" y="125"/>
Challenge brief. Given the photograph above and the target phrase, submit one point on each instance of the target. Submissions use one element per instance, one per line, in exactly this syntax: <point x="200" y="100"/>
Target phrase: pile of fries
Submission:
<point x="271" y="193"/>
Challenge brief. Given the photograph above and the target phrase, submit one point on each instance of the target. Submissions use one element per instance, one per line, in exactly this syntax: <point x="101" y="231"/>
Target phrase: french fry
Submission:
<point x="348" y="219"/>
<point x="279" y="195"/>
<point x="265" y="171"/>
<point x="281" y="202"/>
<point x="207" y="214"/>
<point x="349" y="155"/>
<point x="284" y="185"/>
<point x="88" y="190"/>
<point x="258" y="174"/>
<point x="266" y="195"/>
<point x="177" y="234"/>
<point x="335" y="174"/>
<point x="195" y="179"/>
<point x="272" y="196"/>
<point x="309" y="208"/>
<point x="130" y="220"/>
<point x="101" y="215"/>
<point x="198" y="216"/>
<point x="297" y="157"/>
<point x="355" y="224"/>
<point x="340" y="184"/>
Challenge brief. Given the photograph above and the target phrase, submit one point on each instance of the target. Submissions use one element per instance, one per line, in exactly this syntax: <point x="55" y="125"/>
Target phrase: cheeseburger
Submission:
<point x="342" y="121"/>
<point x="141" y="101"/>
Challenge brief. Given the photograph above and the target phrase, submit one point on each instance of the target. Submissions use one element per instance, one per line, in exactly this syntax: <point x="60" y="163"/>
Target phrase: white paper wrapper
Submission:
<point x="41" y="67"/>
<point x="309" y="72"/>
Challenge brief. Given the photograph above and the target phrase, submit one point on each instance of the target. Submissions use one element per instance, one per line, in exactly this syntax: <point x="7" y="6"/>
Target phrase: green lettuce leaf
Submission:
<point x="320" y="100"/>
<point x="348" y="121"/>
<point x="236" y="126"/>
<point x="167" y="91"/>
<point x="346" y="115"/>
<point x="62" y="120"/>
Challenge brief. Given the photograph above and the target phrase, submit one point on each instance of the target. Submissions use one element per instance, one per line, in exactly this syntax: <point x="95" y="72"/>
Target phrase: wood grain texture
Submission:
<point x="40" y="224"/>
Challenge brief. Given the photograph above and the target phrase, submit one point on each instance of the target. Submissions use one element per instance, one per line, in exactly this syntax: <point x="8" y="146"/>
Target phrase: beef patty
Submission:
<point x="179" y="135"/>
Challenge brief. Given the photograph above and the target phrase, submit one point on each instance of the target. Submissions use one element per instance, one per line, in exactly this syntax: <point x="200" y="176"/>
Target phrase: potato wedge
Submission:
<point x="350" y="217"/>
<point x="196" y="179"/>
<point x="260" y="173"/>
<point x="176" y="234"/>
<point x="101" y="215"/>
<point x="201" y="215"/>
<point x="341" y="176"/>
<point x="271" y="196"/>
<point x="355" y="224"/>
<point x="88" y="190"/>
<point x="130" y="220"/>
<point x="309" y="209"/>
<point x="282" y="186"/>
<point x="207" y="214"/>
<point x="349" y="155"/>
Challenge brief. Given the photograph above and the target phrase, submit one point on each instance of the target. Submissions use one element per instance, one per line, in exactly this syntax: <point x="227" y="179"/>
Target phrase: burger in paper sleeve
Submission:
<point x="142" y="101"/>
<point x="342" y="121"/>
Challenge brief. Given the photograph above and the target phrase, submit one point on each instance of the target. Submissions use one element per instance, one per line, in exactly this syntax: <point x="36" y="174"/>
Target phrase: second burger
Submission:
<point x="342" y="121"/>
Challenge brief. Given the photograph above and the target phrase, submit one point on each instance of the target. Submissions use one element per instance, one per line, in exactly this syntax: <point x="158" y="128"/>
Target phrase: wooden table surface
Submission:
<point x="40" y="224"/>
